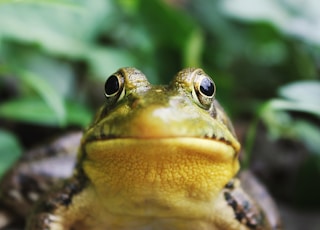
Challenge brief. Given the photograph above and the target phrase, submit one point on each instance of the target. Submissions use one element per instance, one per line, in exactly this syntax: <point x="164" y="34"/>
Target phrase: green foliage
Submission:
<point x="300" y="97"/>
<point x="278" y="116"/>
<point x="60" y="27"/>
<point x="37" y="111"/>
<point x="10" y="150"/>
<point x="299" y="19"/>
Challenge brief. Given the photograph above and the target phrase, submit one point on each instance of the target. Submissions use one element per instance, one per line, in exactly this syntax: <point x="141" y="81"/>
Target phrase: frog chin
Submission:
<point x="169" y="176"/>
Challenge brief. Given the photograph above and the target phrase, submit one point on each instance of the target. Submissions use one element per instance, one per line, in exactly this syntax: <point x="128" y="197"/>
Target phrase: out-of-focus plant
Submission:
<point x="295" y="18"/>
<point x="294" y="117"/>
<point x="279" y="117"/>
<point x="10" y="150"/>
<point x="302" y="97"/>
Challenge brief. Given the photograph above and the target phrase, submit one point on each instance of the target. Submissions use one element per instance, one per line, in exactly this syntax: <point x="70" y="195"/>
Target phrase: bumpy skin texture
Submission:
<point x="155" y="157"/>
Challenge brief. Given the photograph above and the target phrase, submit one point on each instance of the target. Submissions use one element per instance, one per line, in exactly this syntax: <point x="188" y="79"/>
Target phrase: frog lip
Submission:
<point x="235" y="145"/>
<point x="143" y="129"/>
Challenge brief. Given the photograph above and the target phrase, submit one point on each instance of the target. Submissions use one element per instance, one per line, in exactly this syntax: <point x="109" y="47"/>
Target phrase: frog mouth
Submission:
<point x="141" y="132"/>
<point x="208" y="137"/>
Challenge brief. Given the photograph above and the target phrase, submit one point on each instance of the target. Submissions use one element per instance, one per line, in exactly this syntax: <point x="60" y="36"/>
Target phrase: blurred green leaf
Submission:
<point x="10" y="150"/>
<point x="173" y="27"/>
<point x="297" y="18"/>
<point x="54" y="2"/>
<point x="57" y="28"/>
<point x="37" y="111"/>
<point x="47" y="93"/>
<point x="193" y="49"/>
<point x="275" y="115"/>
<point x="300" y="97"/>
<point x="309" y="134"/>
<point x="175" y="30"/>
<point x="59" y="75"/>
<point x="277" y="121"/>
<point x="305" y="92"/>
<point x="104" y="61"/>
<point x="282" y="105"/>
<point x="33" y="110"/>
<point x="78" y="115"/>
<point x="129" y="5"/>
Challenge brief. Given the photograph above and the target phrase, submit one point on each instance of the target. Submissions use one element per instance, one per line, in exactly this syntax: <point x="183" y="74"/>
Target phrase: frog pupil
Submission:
<point x="112" y="85"/>
<point x="207" y="87"/>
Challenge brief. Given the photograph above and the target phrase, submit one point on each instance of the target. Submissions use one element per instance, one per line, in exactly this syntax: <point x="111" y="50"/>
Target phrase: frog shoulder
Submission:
<point x="255" y="189"/>
<point x="240" y="208"/>
<point x="34" y="174"/>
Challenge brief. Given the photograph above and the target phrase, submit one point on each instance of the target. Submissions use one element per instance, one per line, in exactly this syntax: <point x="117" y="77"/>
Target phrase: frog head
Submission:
<point x="163" y="150"/>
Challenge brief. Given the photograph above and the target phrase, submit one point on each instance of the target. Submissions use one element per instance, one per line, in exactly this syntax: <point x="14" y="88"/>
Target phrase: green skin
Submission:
<point x="184" y="116"/>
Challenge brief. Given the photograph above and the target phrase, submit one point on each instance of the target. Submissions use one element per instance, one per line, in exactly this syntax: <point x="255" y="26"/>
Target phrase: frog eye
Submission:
<point x="114" y="87"/>
<point x="204" y="89"/>
<point x="207" y="87"/>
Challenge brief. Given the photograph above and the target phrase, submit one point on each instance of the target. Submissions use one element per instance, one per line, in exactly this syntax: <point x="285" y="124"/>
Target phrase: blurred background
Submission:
<point x="264" y="56"/>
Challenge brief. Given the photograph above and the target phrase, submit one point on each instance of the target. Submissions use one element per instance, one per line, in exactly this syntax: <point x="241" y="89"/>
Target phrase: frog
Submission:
<point x="154" y="157"/>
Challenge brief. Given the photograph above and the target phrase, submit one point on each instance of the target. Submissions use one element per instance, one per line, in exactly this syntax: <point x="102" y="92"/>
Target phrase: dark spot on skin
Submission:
<point x="228" y="142"/>
<point x="27" y="181"/>
<point x="222" y="139"/>
<point x="243" y="211"/>
<point x="71" y="189"/>
<point x="252" y="225"/>
<point x="29" y="184"/>
<point x="230" y="200"/>
<point x="240" y="216"/>
<point x="230" y="185"/>
<point x="65" y="199"/>
<point x="246" y="205"/>
<point x="47" y="206"/>
<point x="63" y="195"/>
<point x="227" y="196"/>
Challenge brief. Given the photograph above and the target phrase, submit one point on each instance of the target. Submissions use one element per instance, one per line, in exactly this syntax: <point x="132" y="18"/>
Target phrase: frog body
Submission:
<point x="155" y="157"/>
